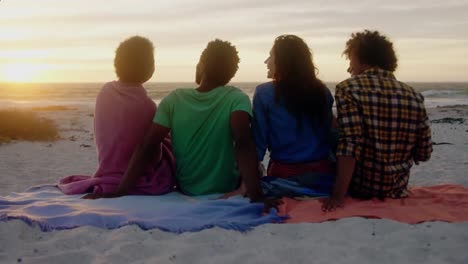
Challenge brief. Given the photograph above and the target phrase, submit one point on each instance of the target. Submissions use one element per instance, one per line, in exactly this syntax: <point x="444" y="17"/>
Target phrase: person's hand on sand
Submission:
<point x="332" y="203"/>
<point x="93" y="196"/>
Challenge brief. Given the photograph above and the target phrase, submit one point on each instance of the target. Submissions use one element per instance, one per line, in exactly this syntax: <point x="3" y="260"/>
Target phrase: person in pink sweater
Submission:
<point x="123" y="114"/>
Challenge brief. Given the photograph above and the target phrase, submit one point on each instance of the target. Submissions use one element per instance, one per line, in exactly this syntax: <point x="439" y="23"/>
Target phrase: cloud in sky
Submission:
<point x="72" y="36"/>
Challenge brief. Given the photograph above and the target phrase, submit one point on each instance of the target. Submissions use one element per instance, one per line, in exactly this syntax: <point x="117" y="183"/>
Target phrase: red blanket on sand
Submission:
<point x="448" y="203"/>
<point x="123" y="114"/>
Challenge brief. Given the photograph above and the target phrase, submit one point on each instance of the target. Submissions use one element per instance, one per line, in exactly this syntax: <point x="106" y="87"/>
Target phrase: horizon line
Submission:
<point x="95" y="82"/>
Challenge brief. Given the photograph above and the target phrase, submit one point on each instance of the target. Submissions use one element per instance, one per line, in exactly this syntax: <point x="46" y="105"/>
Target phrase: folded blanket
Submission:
<point x="447" y="203"/>
<point x="50" y="209"/>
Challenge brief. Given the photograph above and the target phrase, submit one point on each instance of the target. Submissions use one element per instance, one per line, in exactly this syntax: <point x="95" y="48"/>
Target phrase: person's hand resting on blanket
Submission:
<point x="332" y="203"/>
<point x="344" y="172"/>
<point x="242" y="189"/>
<point x="268" y="203"/>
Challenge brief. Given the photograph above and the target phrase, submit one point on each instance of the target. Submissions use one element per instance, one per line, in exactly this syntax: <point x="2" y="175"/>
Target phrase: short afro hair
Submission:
<point x="372" y="49"/>
<point x="220" y="60"/>
<point x="134" y="60"/>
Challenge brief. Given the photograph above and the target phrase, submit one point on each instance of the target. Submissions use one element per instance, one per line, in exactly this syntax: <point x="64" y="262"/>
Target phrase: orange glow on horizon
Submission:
<point x="21" y="72"/>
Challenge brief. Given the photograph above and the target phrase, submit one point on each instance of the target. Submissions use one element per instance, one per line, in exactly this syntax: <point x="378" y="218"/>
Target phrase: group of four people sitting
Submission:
<point x="209" y="140"/>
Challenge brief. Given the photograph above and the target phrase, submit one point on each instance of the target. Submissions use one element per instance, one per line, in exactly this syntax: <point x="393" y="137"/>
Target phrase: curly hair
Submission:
<point x="134" y="60"/>
<point x="220" y="60"/>
<point x="372" y="49"/>
<point x="296" y="83"/>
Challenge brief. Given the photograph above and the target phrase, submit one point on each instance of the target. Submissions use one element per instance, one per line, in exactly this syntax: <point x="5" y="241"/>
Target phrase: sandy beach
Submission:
<point x="353" y="240"/>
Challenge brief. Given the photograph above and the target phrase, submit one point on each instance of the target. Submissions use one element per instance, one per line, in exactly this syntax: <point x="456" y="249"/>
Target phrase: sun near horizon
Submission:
<point x="21" y="72"/>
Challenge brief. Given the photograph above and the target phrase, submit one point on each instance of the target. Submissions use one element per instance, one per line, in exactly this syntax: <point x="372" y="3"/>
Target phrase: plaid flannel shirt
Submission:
<point x="383" y="124"/>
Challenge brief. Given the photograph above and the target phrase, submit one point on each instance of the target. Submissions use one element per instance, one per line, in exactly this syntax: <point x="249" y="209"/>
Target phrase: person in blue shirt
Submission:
<point x="293" y="117"/>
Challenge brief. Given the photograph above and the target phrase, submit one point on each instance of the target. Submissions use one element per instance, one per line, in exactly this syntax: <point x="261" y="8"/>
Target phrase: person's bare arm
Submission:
<point x="143" y="155"/>
<point x="344" y="172"/>
<point x="247" y="160"/>
<point x="246" y="156"/>
<point x="349" y="122"/>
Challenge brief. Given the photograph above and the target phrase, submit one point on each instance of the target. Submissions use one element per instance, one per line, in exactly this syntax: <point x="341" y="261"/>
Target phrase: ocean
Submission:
<point x="46" y="94"/>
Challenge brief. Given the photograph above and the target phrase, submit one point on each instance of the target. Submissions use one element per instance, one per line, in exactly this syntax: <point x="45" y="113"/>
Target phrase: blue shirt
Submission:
<point x="275" y="129"/>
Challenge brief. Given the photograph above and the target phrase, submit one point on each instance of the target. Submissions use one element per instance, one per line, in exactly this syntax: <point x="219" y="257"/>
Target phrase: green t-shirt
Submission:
<point x="201" y="137"/>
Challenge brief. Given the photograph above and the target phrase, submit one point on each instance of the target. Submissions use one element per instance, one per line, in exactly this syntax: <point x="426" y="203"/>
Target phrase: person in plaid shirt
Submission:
<point x="383" y="125"/>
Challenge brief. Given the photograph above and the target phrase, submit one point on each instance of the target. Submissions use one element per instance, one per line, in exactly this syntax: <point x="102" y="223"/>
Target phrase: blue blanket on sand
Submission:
<point x="48" y="208"/>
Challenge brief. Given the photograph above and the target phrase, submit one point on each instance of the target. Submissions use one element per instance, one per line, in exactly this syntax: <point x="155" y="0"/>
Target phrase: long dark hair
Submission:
<point x="296" y="83"/>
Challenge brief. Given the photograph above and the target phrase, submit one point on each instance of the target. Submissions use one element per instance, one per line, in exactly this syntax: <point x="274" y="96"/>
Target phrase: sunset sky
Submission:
<point x="74" y="41"/>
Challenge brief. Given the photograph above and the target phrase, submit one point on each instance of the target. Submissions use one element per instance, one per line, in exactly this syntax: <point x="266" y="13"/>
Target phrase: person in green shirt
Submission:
<point x="200" y="123"/>
<point x="210" y="129"/>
